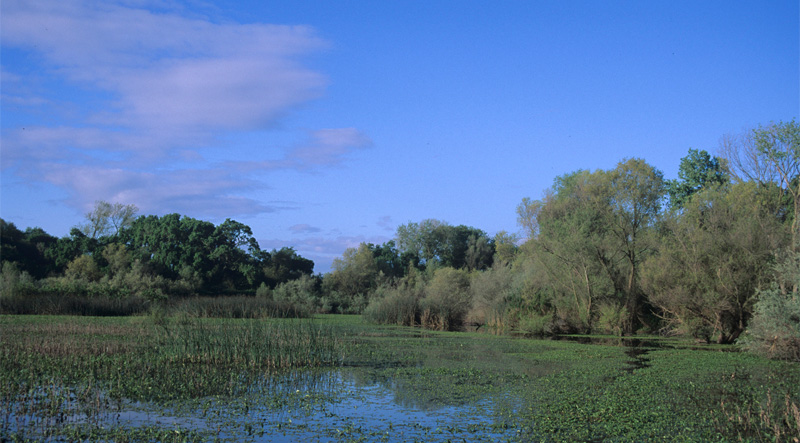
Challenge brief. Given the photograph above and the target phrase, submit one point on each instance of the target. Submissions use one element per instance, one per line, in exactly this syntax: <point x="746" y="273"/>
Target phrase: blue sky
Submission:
<point x="325" y="124"/>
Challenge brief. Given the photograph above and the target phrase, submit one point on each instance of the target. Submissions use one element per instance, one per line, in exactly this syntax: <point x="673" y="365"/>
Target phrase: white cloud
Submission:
<point x="328" y="147"/>
<point x="163" y="84"/>
<point x="168" y="73"/>
<point x="199" y="193"/>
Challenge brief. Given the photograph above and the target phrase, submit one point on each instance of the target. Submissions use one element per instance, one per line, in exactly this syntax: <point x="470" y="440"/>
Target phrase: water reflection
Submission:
<point x="310" y="405"/>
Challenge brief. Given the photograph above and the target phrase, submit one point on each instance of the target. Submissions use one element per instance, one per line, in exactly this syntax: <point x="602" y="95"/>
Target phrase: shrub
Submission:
<point x="774" y="329"/>
<point x="398" y="306"/>
<point x="301" y="292"/>
<point x="488" y="291"/>
<point x="447" y="300"/>
<point x="264" y="291"/>
<point x="83" y="268"/>
<point x="15" y="283"/>
<point x="535" y="324"/>
<point x="611" y="318"/>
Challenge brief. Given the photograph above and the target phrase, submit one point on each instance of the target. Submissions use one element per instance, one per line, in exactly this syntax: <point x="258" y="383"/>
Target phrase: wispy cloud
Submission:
<point x="163" y="86"/>
<point x="304" y="228"/>
<point x="386" y="223"/>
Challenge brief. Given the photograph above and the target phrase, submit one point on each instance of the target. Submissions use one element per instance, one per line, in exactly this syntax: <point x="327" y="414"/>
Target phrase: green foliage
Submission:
<point x="774" y="330"/>
<point x="489" y="291"/>
<point x="769" y="156"/>
<point x="13" y="282"/>
<point x="394" y="306"/>
<point x="698" y="170"/>
<point x="437" y="243"/>
<point x="303" y="293"/>
<point x="611" y="318"/>
<point x="534" y="324"/>
<point x="283" y="265"/>
<point x="27" y="249"/>
<point x="447" y="300"/>
<point x="590" y="235"/>
<point x="83" y="268"/>
<point x="713" y="257"/>
<point x="506" y="248"/>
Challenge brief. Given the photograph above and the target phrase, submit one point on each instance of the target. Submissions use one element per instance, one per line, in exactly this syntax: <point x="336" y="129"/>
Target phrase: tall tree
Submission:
<point x="698" y="170"/>
<point x="635" y="199"/>
<point x="713" y="257"/>
<point x="770" y="155"/>
<point x="437" y="242"/>
<point x="108" y="219"/>
<point x="594" y="226"/>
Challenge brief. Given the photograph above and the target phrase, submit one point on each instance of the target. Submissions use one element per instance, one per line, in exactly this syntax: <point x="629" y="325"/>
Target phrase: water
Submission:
<point x="305" y="406"/>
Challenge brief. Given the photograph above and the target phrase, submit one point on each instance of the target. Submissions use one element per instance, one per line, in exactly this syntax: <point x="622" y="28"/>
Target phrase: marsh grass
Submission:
<point x="57" y="304"/>
<point x="236" y="306"/>
<point x="67" y="378"/>
<point x="773" y="420"/>
<point x="249" y="344"/>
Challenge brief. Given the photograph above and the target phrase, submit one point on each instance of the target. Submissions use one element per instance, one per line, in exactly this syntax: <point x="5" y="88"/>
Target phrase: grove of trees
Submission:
<point x="713" y="254"/>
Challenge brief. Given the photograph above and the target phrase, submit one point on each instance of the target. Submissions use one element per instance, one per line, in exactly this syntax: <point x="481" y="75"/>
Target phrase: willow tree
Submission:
<point x="592" y="231"/>
<point x="770" y="156"/>
<point x="714" y="256"/>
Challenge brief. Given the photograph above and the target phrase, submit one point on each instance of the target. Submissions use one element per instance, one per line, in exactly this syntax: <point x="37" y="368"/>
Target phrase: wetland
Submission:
<point x="336" y="378"/>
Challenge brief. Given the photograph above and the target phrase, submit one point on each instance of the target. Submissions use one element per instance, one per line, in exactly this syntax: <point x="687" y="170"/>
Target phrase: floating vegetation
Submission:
<point x="334" y="378"/>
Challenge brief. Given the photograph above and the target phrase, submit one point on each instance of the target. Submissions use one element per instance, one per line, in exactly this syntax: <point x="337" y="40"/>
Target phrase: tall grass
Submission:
<point x="53" y="304"/>
<point x="237" y="306"/>
<point x="770" y="420"/>
<point x="64" y="378"/>
<point x="232" y="343"/>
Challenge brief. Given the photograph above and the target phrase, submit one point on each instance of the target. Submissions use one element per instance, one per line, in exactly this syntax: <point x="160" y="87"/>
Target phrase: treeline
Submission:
<point x="136" y="261"/>
<point x="713" y="254"/>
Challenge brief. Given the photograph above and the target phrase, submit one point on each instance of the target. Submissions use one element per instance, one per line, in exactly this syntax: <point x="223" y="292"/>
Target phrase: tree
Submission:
<point x="698" y="170"/>
<point x="592" y="229"/>
<point x="108" y="219"/>
<point x="636" y="192"/>
<point x="28" y="249"/>
<point x="714" y="256"/>
<point x="505" y="245"/>
<point x="770" y="155"/>
<point x="173" y="244"/>
<point x="438" y="243"/>
<point x="355" y="273"/>
<point x="283" y="265"/>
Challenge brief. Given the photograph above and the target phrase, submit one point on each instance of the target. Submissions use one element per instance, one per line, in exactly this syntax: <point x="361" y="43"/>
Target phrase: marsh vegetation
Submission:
<point x="176" y="329"/>
<point x="336" y="378"/>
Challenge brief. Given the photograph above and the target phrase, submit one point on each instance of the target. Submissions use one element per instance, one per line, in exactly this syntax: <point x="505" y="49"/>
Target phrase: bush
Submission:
<point x="302" y="293"/>
<point x="447" y="300"/>
<point x="15" y="283"/>
<point x="488" y="291"/>
<point x="535" y="324"/>
<point x="611" y="318"/>
<point x="774" y="329"/>
<point x="395" y="306"/>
